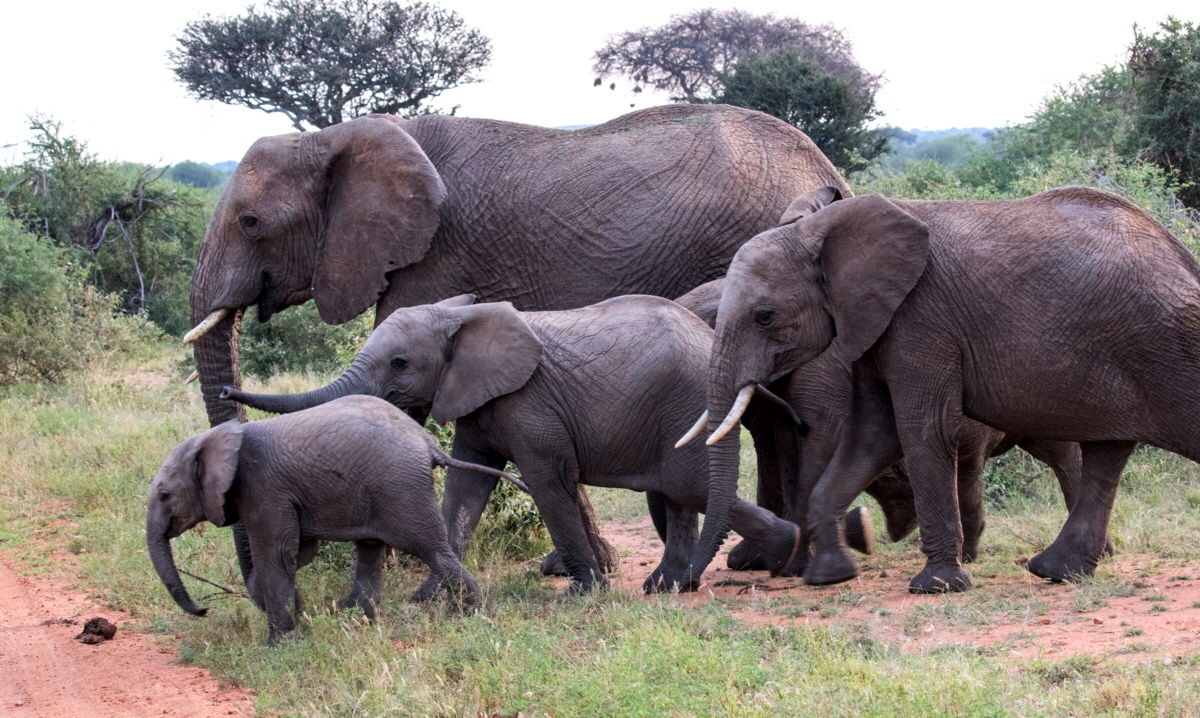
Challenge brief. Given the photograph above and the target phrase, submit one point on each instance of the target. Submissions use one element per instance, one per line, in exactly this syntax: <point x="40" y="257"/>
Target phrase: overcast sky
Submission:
<point x="101" y="67"/>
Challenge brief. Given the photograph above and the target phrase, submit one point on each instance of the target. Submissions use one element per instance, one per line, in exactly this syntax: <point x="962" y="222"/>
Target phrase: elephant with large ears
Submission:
<point x="596" y="395"/>
<point x="298" y="479"/>
<point x="818" y="395"/>
<point x="1070" y="315"/>
<point x="396" y="213"/>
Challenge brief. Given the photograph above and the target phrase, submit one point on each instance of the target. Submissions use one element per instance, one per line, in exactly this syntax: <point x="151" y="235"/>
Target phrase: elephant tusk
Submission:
<point x="202" y="328"/>
<point x="774" y="398"/>
<point x="735" y="414"/>
<point x="694" y="431"/>
<point x="192" y="377"/>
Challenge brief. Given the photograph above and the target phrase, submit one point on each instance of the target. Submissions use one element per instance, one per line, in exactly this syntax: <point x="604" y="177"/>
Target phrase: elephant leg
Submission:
<point x="606" y="554"/>
<point x="368" y="577"/>
<point x="928" y="425"/>
<point x="554" y="491"/>
<point x="274" y="578"/>
<point x="895" y="497"/>
<point x="682" y="531"/>
<point x="656" y="503"/>
<point x="781" y="543"/>
<point x="463" y="502"/>
<point x="1080" y="544"/>
<point x="973" y="449"/>
<point x="868" y="446"/>
<point x="1065" y="459"/>
<point x="241" y="545"/>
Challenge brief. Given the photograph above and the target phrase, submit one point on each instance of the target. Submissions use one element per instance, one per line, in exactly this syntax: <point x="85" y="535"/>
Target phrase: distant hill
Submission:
<point x="228" y="166"/>
<point x="980" y="134"/>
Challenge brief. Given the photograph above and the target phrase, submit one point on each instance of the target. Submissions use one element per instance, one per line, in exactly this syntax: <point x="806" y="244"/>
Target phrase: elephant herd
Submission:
<point x="522" y="279"/>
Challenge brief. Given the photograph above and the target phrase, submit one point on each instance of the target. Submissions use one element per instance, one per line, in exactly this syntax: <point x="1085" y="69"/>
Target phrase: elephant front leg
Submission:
<point x="366" y="591"/>
<point x="605" y="553"/>
<point x="1081" y="543"/>
<point x="781" y="543"/>
<point x="680" y="532"/>
<point x="558" y="502"/>
<point x="274" y="579"/>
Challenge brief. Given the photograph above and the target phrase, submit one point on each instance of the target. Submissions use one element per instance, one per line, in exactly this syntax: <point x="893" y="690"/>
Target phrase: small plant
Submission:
<point x="1133" y="632"/>
<point x="1158" y="608"/>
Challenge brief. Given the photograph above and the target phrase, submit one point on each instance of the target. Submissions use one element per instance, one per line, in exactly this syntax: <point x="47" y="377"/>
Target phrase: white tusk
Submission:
<point x="735" y="414"/>
<point x="202" y="328"/>
<point x="694" y="431"/>
<point x="192" y="377"/>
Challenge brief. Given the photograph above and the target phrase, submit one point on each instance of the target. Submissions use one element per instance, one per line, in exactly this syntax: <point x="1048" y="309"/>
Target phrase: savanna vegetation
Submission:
<point x="95" y="260"/>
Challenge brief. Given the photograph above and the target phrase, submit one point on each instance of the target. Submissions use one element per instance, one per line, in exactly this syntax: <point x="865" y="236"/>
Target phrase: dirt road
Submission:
<point x="45" y="673"/>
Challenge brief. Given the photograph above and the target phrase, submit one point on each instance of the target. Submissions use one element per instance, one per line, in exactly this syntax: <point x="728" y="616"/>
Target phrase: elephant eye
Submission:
<point x="249" y="222"/>
<point x="764" y="316"/>
<point x="164" y="495"/>
<point x="399" y="364"/>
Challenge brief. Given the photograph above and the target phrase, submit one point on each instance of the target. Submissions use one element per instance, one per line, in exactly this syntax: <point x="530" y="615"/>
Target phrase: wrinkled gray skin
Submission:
<point x="819" y="393"/>
<point x="1070" y="315"/>
<point x="393" y="213"/>
<point x="356" y="469"/>
<point x="597" y="396"/>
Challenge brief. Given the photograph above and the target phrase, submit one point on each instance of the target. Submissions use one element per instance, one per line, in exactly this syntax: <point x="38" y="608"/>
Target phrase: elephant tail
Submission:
<point x="441" y="459"/>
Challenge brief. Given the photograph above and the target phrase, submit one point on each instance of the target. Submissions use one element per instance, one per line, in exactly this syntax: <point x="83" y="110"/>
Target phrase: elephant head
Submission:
<point x="190" y="488"/>
<point x="828" y="278"/>
<point x="451" y="357"/>
<point x="321" y="215"/>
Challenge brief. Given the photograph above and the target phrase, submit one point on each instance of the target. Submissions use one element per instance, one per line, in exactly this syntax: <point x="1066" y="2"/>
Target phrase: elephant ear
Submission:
<point x="872" y="253"/>
<point x="462" y="300"/>
<point x="494" y="353"/>
<point x="216" y="467"/>
<point x="704" y="300"/>
<point x="808" y="203"/>
<point x="381" y="213"/>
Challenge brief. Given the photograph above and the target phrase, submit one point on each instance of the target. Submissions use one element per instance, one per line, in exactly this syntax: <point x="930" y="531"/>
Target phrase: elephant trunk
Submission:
<point x="344" y="385"/>
<point x="158" y="546"/>
<point x="216" y="353"/>
<point x="723" y="475"/>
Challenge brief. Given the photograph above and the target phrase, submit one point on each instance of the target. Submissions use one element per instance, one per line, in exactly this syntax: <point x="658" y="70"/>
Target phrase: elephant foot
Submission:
<point x="1059" y="563"/>
<point x="606" y="556"/>
<point x="746" y="557"/>
<point x="970" y="551"/>
<point x="663" y="581"/>
<point x="579" y="588"/>
<point x="830" y="567"/>
<point x="940" y="578"/>
<point x="1109" y="549"/>
<point x="860" y="530"/>
<point x="427" y="590"/>
<point x="552" y="565"/>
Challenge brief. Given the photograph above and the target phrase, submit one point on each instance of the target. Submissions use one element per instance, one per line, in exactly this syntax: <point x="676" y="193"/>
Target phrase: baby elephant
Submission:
<point x="356" y="469"/>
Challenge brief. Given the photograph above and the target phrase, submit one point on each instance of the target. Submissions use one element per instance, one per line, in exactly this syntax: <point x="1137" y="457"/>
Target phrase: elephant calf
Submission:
<point x="356" y="469"/>
<point x="596" y="395"/>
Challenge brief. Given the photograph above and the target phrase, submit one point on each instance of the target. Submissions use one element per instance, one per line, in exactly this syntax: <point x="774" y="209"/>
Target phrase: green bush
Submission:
<point x="50" y="322"/>
<point x="296" y="340"/>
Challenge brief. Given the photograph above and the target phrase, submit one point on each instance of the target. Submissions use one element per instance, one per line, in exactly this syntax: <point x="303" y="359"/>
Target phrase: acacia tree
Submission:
<point x="822" y="106"/>
<point x="690" y="54"/>
<point x="324" y="61"/>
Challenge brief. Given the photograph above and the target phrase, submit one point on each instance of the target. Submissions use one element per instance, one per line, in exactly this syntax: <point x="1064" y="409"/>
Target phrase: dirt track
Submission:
<point x="45" y="673"/>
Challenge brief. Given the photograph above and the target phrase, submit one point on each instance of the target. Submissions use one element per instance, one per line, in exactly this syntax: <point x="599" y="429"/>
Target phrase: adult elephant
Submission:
<point x="1070" y="315"/>
<point x="395" y="213"/>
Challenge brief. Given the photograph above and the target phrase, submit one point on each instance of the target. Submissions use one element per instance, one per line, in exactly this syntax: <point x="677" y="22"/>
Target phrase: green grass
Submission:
<point x="76" y="459"/>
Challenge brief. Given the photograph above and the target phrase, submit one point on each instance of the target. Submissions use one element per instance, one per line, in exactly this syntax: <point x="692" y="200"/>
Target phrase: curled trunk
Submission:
<point x="158" y="546"/>
<point x="344" y="385"/>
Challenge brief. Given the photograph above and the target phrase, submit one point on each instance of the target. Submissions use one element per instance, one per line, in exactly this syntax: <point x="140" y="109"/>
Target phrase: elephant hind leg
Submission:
<point x="682" y="529"/>
<point x="1081" y="543"/>
<point x="368" y="577"/>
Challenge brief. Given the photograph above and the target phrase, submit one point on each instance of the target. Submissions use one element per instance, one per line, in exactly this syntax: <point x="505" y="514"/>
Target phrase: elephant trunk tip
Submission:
<point x="228" y="392"/>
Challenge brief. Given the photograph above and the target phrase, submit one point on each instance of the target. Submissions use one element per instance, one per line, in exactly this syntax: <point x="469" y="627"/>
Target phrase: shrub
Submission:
<point x="298" y="341"/>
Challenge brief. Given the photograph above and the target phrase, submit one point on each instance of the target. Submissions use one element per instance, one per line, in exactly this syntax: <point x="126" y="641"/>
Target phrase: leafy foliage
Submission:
<point x="197" y="175"/>
<point x="298" y="341"/>
<point x="691" y="54"/>
<point x="1165" y="72"/>
<point x="324" y="61"/>
<point x="50" y="322"/>
<point x="800" y="93"/>
<point x="127" y="229"/>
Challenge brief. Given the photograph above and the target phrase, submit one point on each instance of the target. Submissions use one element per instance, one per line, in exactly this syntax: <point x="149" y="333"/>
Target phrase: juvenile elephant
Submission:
<point x="819" y="394"/>
<point x="397" y="213"/>
<point x="596" y="396"/>
<point x="1070" y="315"/>
<point x="356" y="469"/>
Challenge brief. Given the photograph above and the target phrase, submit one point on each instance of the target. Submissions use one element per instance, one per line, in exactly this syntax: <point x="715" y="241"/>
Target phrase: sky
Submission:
<point x="101" y="68"/>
